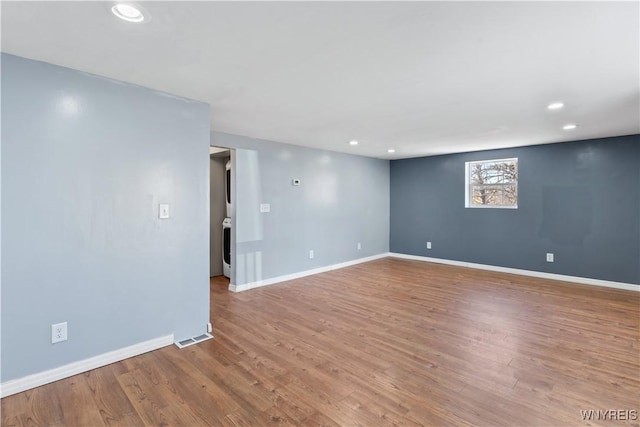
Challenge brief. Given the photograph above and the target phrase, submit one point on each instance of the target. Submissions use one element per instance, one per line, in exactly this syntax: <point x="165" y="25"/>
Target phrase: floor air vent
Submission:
<point x="194" y="340"/>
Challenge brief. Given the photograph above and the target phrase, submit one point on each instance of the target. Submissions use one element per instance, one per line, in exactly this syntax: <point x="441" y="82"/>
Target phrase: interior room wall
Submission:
<point x="218" y="210"/>
<point x="342" y="200"/>
<point x="577" y="200"/>
<point x="85" y="163"/>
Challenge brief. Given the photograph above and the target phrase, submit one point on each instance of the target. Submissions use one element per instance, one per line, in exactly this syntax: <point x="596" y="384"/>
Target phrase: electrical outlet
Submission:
<point x="359" y="245"/>
<point x="311" y="254"/>
<point x="428" y="245"/>
<point x="58" y="332"/>
<point x="549" y="257"/>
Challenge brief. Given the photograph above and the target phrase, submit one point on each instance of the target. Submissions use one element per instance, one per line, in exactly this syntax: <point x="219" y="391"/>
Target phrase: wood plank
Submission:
<point x="390" y="342"/>
<point x="111" y="400"/>
<point x="76" y="402"/>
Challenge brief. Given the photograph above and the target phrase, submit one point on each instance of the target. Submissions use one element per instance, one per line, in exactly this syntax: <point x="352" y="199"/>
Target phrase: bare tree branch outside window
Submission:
<point x="492" y="183"/>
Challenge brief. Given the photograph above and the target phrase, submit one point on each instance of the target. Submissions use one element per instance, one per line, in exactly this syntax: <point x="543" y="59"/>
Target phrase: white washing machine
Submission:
<point x="226" y="247"/>
<point x="227" y="185"/>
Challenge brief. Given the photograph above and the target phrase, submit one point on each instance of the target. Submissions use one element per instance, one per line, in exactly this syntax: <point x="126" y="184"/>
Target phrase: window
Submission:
<point x="492" y="184"/>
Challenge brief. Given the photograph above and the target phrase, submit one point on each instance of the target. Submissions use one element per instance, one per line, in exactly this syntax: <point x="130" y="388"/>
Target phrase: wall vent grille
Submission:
<point x="194" y="340"/>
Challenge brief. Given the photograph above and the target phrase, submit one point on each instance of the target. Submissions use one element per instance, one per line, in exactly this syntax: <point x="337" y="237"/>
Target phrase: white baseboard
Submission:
<point x="540" y="274"/>
<point x="30" y="381"/>
<point x="286" y="277"/>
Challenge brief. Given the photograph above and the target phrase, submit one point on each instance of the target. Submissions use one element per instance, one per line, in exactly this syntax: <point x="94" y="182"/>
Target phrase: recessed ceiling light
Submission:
<point x="570" y="126"/>
<point x="128" y="12"/>
<point x="391" y="150"/>
<point x="555" y="106"/>
<point x="353" y="142"/>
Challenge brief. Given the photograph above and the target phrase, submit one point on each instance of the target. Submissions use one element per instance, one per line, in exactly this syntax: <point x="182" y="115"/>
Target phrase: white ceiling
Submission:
<point x="422" y="77"/>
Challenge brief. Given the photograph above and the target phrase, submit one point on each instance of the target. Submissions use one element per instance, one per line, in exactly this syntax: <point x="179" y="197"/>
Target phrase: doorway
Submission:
<point x="220" y="173"/>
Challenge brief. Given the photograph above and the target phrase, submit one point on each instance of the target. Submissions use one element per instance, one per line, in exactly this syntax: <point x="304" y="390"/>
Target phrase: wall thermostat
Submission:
<point x="295" y="181"/>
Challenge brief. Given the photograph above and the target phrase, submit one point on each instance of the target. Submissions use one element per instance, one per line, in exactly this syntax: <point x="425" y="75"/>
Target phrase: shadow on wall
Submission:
<point x="248" y="263"/>
<point x="249" y="267"/>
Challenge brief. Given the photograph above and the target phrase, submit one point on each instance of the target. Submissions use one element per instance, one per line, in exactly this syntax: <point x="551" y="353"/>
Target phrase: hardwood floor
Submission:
<point x="382" y="343"/>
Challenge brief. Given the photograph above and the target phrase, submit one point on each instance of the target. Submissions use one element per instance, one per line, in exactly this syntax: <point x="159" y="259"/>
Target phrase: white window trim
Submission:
<point x="467" y="167"/>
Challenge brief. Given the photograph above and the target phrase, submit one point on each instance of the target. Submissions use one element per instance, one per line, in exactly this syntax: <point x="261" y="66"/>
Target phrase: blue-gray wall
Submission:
<point x="578" y="200"/>
<point x="85" y="163"/>
<point x="343" y="200"/>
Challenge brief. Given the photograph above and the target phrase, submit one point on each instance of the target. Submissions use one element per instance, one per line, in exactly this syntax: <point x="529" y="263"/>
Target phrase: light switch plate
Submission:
<point x="163" y="211"/>
<point x="265" y="207"/>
